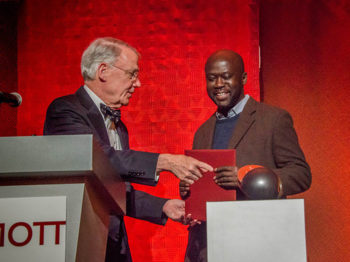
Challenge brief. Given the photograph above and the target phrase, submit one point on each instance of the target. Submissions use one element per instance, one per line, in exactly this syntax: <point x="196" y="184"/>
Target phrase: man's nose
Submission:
<point x="137" y="83"/>
<point x="219" y="82"/>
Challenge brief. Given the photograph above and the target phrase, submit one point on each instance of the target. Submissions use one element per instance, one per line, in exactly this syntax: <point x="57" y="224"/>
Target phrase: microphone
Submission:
<point x="13" y="99"/>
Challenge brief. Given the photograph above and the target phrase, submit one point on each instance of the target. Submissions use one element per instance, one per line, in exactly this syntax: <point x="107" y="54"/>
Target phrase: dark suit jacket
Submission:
<point x="77" y="114"/>
<point x="264" y="135"/>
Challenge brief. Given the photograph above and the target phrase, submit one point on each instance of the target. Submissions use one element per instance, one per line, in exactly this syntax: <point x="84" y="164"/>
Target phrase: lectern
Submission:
<point x="73" y="166"/>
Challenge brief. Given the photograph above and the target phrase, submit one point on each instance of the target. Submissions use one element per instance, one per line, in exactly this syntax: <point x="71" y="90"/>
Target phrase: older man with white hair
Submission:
<point x="110" y="70"/>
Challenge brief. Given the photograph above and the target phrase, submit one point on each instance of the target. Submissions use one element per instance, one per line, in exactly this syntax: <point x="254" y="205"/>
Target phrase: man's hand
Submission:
<point x="175" y="209"/>
<point x="183" y="167"/>
<point x="184" y="189"/>
<point x="226" y="177"/>
<point x="188" y="220"/>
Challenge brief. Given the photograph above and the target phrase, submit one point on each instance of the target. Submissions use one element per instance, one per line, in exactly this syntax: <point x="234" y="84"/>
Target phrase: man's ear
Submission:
<point x="102" y="71"/>
<point x="244" y="78"/>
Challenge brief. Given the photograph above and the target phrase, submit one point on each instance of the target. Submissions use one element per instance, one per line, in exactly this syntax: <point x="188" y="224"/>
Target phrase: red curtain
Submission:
<point x="305" y="69"/>
<point x="174" y="39"/>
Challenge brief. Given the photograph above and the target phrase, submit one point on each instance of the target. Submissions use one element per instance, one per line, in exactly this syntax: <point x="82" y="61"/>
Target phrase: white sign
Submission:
<point x="263" y="230"/>
<point x="33" y="229"/>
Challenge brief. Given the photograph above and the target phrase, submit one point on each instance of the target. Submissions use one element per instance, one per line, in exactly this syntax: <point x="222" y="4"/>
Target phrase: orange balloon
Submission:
<point x="244" y="170"/>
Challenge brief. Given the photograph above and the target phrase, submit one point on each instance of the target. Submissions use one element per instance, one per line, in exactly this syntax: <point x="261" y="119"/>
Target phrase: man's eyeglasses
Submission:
<point x="132" y="75"/>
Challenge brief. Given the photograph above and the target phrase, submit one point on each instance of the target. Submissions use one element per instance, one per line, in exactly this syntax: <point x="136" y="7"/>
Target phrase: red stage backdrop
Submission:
<point x="305" y="69"/>
<point x="174" y="38"/>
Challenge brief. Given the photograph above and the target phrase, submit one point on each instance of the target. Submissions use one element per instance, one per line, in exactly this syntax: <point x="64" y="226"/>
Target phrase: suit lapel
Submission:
<point x="93" y="114"/>
<point x="245" y="121"/>
<point x="123" y="135"/>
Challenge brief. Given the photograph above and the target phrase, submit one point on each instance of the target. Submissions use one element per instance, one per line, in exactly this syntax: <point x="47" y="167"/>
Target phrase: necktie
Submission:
<point x="116" y="140"/>
<point x="113" y="114"/>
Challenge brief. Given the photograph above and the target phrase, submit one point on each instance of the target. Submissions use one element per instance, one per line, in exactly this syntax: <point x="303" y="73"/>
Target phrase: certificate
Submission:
<point x="205" y="189"/>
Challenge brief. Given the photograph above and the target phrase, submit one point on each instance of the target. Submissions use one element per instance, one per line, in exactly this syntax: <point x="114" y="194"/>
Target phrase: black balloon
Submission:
<point x="260" y="183"/>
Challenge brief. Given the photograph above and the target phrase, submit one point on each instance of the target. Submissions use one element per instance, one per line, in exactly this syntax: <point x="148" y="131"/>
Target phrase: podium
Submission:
<point x="262" y="230"/>
<point x="73" y="166"/>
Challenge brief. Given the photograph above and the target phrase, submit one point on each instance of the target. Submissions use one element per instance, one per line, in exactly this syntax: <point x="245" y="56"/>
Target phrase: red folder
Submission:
<point x="205" y="189"/>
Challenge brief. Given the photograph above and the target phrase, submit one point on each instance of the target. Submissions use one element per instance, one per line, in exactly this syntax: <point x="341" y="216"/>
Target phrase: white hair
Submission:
<point x="106" y="49"/>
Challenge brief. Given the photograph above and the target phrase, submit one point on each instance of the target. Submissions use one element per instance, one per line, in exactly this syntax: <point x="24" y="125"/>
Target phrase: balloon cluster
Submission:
<point x="258" y="182"/>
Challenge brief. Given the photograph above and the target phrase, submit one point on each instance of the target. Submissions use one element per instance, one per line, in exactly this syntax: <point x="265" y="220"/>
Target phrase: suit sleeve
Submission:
<point x="289" y="159"/>
<point x="144" y="206"/>
<point x="64" y="117"/>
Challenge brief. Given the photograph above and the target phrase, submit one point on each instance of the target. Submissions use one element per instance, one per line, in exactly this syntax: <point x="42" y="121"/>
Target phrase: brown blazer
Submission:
<point x="264" y="135"/>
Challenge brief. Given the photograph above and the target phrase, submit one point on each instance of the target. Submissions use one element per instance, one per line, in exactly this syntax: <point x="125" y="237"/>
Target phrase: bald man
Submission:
<point x="261" y="134"/>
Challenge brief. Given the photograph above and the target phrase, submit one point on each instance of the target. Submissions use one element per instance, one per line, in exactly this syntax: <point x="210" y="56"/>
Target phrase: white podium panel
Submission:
<point x="250" y="231"/>
<point x="33" y="229"/>
<point x="73" y="198"/>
